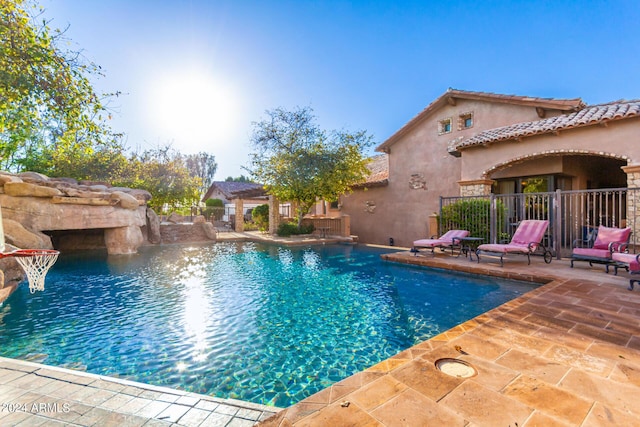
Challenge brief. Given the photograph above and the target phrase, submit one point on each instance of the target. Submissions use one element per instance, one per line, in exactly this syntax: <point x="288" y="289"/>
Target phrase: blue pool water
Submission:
<point x="265" y="324"/>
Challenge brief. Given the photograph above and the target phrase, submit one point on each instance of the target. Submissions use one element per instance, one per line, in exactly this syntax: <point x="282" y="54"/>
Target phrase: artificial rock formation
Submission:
<point x="123" y="240"/>
<point x="11" y="274"/>
<point x="35" y="206"/>
<point x="20" y="237"/>
<point x="153" y="227"/>
<point x="41" y="212"/>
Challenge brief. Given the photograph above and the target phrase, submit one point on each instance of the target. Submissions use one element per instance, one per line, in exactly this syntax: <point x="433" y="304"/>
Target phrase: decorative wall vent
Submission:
<point x="369" y="206"/>
<point x="417" y="182"/>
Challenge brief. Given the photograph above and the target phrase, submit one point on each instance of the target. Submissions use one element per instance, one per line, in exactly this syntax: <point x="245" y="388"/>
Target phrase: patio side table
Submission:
<point x="323" y="231"/>
<point x="468" y="245"/>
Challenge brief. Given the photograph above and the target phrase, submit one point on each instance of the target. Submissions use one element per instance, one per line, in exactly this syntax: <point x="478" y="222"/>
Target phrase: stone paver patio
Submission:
<point x="565" y="354"/>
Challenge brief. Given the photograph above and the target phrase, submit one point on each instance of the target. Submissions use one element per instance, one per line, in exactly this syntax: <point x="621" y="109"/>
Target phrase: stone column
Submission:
<point x="633" y="200"/>
<point x="476" y="187"/>
<point x="239" y="215"/>
<point x="274" y="214"/>
<point x="345" y="221"/>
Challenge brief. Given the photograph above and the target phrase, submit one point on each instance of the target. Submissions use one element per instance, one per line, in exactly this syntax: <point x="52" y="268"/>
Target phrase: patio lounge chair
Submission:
<point x="598" y="251"/>
<point x="447" y="240"/>
<point x="630" y="262"/>
<point x="525" y="241"/>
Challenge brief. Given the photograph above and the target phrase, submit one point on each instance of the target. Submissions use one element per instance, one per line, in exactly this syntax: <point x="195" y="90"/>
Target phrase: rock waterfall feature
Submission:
<point x="37" y="209"/>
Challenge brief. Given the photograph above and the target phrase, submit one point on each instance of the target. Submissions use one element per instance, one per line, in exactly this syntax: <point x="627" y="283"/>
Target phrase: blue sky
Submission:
<point x="198" y="73"/>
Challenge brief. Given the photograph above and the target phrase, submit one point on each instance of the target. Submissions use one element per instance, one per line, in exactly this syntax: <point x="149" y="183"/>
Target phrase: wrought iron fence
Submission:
<point x="571" y="214"/>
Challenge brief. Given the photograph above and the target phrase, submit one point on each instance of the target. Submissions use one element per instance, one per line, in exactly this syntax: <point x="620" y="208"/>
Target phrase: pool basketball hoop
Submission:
<point x="35" y="262"/>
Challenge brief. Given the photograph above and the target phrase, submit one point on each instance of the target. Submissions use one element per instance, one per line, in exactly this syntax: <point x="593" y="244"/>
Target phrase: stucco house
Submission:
<point x="476" y="143"/>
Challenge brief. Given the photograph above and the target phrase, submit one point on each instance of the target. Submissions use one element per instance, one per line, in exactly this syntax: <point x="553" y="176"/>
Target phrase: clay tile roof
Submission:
<point x="452" y="94"/>
<point x="379" y="168"/>
<point x="594" y="114"/>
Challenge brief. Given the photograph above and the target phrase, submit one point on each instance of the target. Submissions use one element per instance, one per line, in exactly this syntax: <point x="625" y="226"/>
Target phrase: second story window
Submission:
<point x="444" y="126"/>
<point x="465" y="121"/>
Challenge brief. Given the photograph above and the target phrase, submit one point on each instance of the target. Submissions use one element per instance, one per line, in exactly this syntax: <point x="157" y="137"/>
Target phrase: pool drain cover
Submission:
<point x="456" y="368"/>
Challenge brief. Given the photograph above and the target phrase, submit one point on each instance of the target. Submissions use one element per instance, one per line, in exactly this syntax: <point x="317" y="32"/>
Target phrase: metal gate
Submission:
<point x="572" y="215"/>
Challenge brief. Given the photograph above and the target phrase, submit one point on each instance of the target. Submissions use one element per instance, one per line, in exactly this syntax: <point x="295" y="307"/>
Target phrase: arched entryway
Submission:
<point x="559" y="172"/>
<point x="575" y="192"/>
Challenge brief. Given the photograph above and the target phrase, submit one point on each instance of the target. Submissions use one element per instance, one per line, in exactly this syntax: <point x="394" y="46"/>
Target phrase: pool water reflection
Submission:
<point x="260" y="323"/>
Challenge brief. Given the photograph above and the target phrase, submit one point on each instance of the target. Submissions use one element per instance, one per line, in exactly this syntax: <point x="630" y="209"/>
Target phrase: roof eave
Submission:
<point x="555" y="131"/>
<point x="567" y="105"/>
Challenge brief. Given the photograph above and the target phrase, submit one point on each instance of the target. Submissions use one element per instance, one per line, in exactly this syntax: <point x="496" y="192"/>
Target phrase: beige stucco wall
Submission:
<point x="620" y="140"/>
<point x="420" y="171"/>
<point x="540" y="166"/>
<point x="369" y="212"/>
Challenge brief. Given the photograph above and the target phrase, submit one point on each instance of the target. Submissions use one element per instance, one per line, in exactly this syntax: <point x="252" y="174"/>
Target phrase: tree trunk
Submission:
<point x="303" y="209"/>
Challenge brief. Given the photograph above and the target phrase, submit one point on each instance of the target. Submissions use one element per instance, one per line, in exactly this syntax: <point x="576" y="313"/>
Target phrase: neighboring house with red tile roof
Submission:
<point x="474" y="143"/>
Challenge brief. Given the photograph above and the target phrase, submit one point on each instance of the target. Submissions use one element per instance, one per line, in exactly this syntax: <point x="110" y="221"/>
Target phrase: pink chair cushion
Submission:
<point x="629" y="259"/>
<point x="607" y="235"/>
<point x="496" y="247"/>
<point x="529" y="231"/>
<point x="592" y="253"/>
<point x="445" y="239"/>
<point x="449" y="235"/>
<point x="428" y="243"/>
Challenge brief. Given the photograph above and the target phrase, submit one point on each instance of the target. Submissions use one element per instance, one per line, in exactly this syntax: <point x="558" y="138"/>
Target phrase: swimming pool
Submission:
<point x="260" y="323"/>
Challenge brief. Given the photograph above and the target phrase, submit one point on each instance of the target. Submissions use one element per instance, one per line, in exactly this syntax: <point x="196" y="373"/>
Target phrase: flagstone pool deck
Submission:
<point x="564" y="354"/>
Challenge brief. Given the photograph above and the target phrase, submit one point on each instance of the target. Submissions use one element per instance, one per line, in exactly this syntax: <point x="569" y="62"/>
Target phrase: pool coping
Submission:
<point x="565" y="353"/>
<point x="35" y="394"/>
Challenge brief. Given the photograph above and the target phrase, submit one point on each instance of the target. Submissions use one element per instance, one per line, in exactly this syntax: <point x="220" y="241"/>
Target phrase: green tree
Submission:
<point x="535" y="185"/>
<point x="203" y="166"/>
<point x="240" y="178"/>
<point x="106" y="162"/>
<point x="48" y="107"/>
<point x="162" y="173"/>
<point x="299" y="162"/>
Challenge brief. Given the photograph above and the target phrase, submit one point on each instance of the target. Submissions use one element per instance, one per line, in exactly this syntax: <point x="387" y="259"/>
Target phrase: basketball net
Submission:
<point x="35" y="262"/>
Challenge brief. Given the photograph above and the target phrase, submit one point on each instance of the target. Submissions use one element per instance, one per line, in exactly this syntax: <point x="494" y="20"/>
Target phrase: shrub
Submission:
<point x="287" y="229"/>
<point x="472" y="215"/>
<point x="214" y="209"/>
<point x="260" y="216"/>
<point x="250" y="226"/>
<point x="306" y="229"/>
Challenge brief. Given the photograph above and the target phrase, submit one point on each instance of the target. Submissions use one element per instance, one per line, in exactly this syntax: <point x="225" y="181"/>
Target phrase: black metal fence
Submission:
<point x="571" y="214"/>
